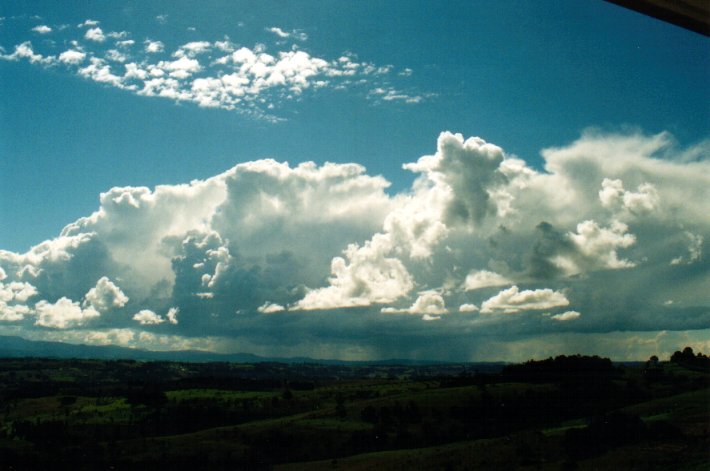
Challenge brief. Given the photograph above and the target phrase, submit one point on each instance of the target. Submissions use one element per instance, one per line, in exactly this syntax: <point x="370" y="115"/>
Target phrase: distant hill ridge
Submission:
<point x="18" y="347"/>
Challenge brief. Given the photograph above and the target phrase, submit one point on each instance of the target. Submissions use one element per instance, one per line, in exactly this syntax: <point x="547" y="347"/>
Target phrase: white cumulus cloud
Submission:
<point x="251" y="80"/>
<point x="269" y="308"/>
<point x="19" y="291"/>
<point x="63" y="314"/>
<point x="42" y="29"/>
<point x="267" y="236"/>
<point x="483" y="279"/>
<point x="105" y="296"/>
<point x="368" y="276"/>
<point x="566" y="316"/>
<point x="153" y="47"/>
<point x="596" y="248"/>
<point x="278" y="32"/>
<point x="613" y="195"/>
<point x="25" y="51"/>
<point x="468" y="307"/>
<point x="429" y="304"/>
<point x="99" y="71"/>
<point x="95" y="34"/>
<point x="172" y="314"/>
<point x="192" y="49"/>
<point x="512" y="300"/>
<point x="13" y="312"/>
<point x="147" y="317"/>
<point x="72" y="56"/>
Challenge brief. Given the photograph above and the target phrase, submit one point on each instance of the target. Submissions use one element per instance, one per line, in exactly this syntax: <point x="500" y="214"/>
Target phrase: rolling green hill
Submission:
<point x="565" y="413"/>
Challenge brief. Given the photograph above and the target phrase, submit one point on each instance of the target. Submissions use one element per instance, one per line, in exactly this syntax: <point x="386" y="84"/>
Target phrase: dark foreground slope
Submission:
<point x="567" y="413"/>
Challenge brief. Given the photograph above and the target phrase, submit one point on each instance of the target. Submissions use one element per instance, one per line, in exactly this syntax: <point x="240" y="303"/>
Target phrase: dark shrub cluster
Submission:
<point x="688" y="358"/>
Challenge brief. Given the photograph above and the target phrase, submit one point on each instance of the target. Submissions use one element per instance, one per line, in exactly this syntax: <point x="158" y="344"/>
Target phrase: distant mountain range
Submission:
<point x="17" y="347"/>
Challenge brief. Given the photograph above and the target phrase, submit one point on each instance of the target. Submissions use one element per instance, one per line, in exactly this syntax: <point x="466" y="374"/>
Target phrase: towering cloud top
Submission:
<point x="610" y="237"/>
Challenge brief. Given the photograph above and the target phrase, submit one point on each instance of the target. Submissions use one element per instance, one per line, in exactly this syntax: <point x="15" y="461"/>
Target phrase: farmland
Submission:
<point x="564" y="413"/>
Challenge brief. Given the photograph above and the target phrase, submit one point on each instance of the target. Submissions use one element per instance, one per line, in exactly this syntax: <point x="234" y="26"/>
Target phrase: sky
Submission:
<point x="464" y="181"/>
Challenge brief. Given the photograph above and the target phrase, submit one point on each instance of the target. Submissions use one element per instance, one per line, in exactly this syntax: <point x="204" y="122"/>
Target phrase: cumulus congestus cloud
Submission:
<point x="312" y="259"/>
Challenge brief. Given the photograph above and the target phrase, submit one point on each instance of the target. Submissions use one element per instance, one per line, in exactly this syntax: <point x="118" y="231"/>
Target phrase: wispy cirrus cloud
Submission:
<point x="295" y="34"/>
<point x="88" y="23"/>
<point x="254" y="80"/>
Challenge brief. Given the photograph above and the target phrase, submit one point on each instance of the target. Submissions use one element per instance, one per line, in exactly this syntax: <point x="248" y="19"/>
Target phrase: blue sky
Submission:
<point x="525" y="76"/>
<point x="373" y="83"/>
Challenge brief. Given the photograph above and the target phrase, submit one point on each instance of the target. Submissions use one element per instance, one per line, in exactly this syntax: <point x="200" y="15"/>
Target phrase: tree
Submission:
<point x="688" y="354"/>
<point x="688" y="358"/>
<point x="676" y="357"/>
